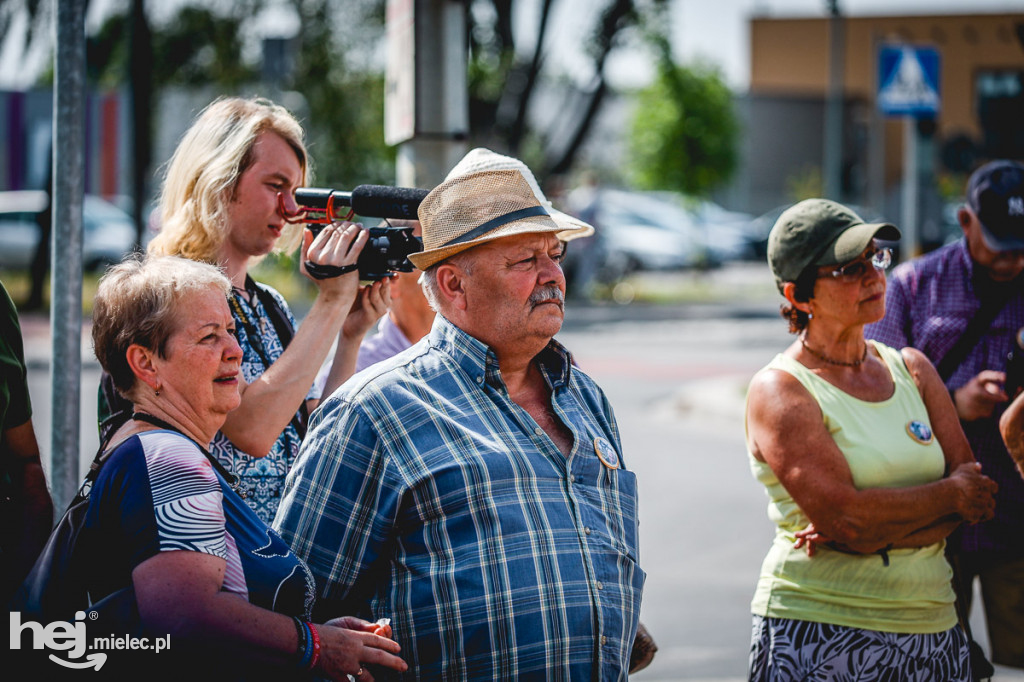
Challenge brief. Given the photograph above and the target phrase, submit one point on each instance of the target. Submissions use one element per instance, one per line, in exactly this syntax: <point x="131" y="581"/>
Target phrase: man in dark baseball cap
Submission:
<point x="974" y="288"/>
<point x="995" y="197"/>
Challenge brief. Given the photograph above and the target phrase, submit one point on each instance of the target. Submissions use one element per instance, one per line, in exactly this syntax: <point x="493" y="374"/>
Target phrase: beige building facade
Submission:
<point x="982" y="96"/>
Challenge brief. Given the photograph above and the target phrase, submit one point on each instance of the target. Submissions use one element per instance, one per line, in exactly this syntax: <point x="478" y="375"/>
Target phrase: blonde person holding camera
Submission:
<point x="226" y="196"/>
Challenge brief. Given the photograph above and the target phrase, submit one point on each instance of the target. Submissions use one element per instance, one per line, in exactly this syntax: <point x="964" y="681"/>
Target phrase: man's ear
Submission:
<point x="140" y="360"/>
<point x="451" y="284"/>
<point x="789" y="291"/>
<point x="963" y="216"/>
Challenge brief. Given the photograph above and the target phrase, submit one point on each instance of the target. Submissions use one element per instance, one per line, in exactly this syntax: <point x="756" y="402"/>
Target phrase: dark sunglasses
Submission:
<point x="880" y="259"/>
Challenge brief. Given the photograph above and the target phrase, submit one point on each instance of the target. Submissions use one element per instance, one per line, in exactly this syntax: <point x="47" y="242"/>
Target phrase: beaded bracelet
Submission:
<point x="307" y="653"/>
<point x="315" y="638"/>
<point x="300" y="650"/>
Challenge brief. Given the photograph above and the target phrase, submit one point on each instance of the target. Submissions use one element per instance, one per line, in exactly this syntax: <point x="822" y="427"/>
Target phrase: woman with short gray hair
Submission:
<point x="165" y="518"/>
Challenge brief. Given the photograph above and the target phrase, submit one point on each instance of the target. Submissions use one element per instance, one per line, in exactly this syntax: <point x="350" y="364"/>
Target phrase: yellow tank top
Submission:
<point x="887" y="444"/>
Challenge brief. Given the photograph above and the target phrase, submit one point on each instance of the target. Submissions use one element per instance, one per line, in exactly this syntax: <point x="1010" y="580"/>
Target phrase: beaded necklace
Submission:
<point x="831" y="361"/>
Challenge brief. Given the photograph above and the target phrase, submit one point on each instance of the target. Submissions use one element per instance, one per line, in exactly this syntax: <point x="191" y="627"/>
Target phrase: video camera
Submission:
<point x="387" y="249"/>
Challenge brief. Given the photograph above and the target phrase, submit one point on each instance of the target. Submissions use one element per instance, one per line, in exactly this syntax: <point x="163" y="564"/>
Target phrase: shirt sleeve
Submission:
<point x="340" y="503"/>
<point x="894" y="329"/>
<point x="166" y="498"/>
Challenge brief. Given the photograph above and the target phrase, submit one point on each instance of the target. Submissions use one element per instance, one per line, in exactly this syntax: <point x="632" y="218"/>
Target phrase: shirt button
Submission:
<point x="479" y="380"/>
<point x="539" y="431"/>
<point x="600" y="585"/>
<point x="572" y="478"/>
<point x="587" y="530"/>
<point x="604" y="640"/>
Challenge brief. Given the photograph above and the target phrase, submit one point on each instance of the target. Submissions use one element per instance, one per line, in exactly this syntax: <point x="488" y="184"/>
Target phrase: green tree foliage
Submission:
<point x="684" y="132"/>
<point x="197" y="47"/>
<point x="340" y="105"/>
<point x="502" y="81"/>
<point x="345" y="104"/>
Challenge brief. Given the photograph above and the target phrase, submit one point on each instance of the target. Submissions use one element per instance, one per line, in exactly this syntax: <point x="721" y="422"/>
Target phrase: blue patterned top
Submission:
<point x="158" y="493"/>
<point x="424" y="494"/>
<point x="261" y="478"/>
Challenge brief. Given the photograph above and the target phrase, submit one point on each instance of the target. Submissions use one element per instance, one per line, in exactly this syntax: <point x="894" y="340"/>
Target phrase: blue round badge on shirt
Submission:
<point x="919" y="431"/>
<point x="606" y="453"/>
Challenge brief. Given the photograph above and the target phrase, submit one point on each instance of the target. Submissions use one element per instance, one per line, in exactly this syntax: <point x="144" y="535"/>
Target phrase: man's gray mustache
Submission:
<point x="546" y="295"/>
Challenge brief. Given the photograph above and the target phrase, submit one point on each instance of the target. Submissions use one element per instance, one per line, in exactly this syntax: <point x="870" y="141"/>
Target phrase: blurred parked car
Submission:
<point x="108" y="232"/>
<point x="638" y="231"/>
<point x="723" y="233"/>
<point x="757" y="232"/>
<point x="646" y="232"/>
<point x="633" y="232"/>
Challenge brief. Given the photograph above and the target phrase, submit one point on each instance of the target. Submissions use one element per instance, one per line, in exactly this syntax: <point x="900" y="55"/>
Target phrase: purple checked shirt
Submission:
<point x="929" y="303"/>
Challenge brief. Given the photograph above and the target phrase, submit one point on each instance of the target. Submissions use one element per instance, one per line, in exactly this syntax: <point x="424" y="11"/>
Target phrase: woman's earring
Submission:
<point x="810" y="316"/>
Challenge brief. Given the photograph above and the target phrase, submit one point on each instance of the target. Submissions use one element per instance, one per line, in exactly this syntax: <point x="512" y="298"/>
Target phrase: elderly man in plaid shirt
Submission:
<point x="472" y="488"/>
<point x="930" y="304"/>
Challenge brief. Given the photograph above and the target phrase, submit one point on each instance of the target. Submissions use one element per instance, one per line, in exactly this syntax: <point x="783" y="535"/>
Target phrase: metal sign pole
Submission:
<point x="834" y="103"/>
<point x="908" y="86"/>
<point x="908" y="218"/>
<point x="66" y="248"/>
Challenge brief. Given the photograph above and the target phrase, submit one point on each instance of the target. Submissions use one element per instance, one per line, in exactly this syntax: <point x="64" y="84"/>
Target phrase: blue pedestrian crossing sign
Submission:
<point x="908" y="81"/>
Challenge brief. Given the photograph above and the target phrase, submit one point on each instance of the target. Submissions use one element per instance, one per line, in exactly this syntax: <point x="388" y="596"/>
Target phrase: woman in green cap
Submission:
<point x="867" y="471"/>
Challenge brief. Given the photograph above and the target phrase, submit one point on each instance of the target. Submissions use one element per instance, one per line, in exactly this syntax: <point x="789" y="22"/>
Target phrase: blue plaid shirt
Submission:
<point x="929" y="304"/>
<point x="423" y="494"/>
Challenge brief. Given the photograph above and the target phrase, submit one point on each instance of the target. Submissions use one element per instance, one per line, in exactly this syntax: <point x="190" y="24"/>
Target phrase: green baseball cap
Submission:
<point x="819" y="232"/>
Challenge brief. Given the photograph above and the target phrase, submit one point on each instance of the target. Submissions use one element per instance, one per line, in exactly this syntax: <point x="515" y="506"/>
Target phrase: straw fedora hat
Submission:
<point x="481" y="159"/>
<point x="478" y="206"/>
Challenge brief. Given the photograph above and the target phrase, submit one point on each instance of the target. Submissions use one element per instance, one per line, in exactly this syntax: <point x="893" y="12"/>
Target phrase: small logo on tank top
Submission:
<point x="919" y="431"/>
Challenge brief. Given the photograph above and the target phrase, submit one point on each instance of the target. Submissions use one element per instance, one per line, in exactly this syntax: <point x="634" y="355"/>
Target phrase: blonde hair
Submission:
<point x="203" y="173"/>
<point x="137" y="302"/>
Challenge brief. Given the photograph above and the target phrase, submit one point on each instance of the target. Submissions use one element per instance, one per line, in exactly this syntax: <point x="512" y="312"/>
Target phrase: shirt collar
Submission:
<point x="477" y="359"/>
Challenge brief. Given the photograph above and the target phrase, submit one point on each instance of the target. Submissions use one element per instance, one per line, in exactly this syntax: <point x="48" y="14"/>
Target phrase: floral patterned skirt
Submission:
<point x="784" y="650"/>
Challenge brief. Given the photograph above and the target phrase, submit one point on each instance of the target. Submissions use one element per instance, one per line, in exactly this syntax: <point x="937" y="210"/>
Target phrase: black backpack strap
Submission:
<point x="990" y="307"/>
<point x="114" y="409"/>
<point x="278" y="317"/>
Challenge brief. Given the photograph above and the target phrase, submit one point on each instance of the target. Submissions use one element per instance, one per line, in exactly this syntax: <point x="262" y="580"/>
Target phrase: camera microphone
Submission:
<point x="387" y="248"/>
<point x="378" y="201"/>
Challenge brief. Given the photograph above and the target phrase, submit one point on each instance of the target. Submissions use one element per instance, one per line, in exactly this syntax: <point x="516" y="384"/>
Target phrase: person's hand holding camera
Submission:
<point x="371" y="303"/>
<point x="337" y="245"/>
